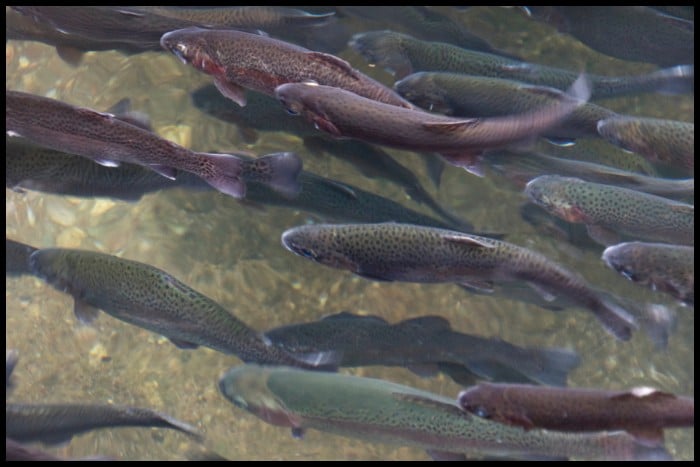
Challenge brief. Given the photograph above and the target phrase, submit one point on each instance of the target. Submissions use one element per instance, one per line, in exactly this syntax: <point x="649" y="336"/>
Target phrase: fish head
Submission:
<point x="246" y="387"/>
<point x="196" y="47"/>
<point x="550" y="193"/>
<point x="55" y="266"/>
<point x="421" y="89"/>
<point x="294" y="97"/>
<point x="619" y="258"/>
<point x="470" y="401"/>
<point x="316" y="243"/>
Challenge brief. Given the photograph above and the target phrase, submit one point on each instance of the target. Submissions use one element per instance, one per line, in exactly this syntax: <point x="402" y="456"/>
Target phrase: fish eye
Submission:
<point x="290" y="110"/>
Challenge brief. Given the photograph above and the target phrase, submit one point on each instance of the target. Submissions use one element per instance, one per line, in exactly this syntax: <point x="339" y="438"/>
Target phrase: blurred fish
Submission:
<point x="11" y="359"/>
<point x="659" y="266"/>
<point x="32" y="167"/>
<point x="17" y="258"/>
<point x="15" y="451"/>
<point x="403" y="55"/>
<point x="421" y="345"/>
<point x="109" y="140"/>
<point x="239" y="60"/>
<point x="520" y="168"/>
<point x="424" y="23"/>
<point x="637" y="33"/>
<point x="262" y="113"/>
<point x="461" y="95"/>
<point x="411" y="253"/>
<point x="610" y="211"/>
<point x="642" y="412"/>
<point x="58" y="423"/>
<point x="667" y="142"/>
<point x="460" y="141"/>
<point x="381" y="411"/>
<point x="152" y="299"/>
<point x="559" y="229"/>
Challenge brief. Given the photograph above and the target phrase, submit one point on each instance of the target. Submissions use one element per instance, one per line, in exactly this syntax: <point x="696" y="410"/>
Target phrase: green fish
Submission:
<point x="461" y="95"/>
<point x="17" y="258"/>
<point x="659" y="266"/>
<point x="381" y="411"/>
<point x="412" y="253"/>
<point x="610" y="211"/>
<point x="666" y="142"/>
<point x="403" y="55"/>
<point x="424" y="345"/>
<point x="152" y="299"/>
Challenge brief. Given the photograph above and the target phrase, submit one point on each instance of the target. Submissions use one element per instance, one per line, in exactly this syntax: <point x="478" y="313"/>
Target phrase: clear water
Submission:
<point x="232" y="253"/>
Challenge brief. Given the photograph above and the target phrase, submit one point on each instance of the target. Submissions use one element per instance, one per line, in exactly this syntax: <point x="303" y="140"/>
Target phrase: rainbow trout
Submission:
<point x="344" y="114"/>
<point x="109" y="140"/>
<point x="667" y="142"/>
<point x="58" y="423"/>
<point x="240" y="60"/>
<point x="424" y="345"/>
<point x="381" y="411"/>
<point x="460" y="95"/>
<point x="658" y="266"/>
<point x="411" y="253"/>
<point x="609" y="211"/>
<point x="152" y="299"/>
<point x="642" y="412"/>
<point x="403" y="55"/>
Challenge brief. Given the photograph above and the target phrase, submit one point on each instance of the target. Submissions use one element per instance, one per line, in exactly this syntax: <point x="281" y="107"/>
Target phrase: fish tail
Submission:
<point x="170" y="422"/>
<point x="550" y="366"/>
<point x="658" y="321"/>
<point x="675" y="80"/>
<point x="616" y="320"/>
<point x="226" y="176"/>
<point x="383" y="48"/>
<point x="278" y="170"/>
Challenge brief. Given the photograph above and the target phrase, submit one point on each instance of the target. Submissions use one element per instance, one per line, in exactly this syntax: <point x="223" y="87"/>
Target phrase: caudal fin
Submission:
<point x="616" y="320"/>
<point x="675" y="80"/>
<point x="278" y="170"/>
<point x="550" y="366"/>
<point x="226" y="174"/>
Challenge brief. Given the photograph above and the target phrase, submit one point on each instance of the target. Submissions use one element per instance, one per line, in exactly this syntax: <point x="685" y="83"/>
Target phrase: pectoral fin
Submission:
<point x="602" y="235"/>
<point x="85" y="312"/>
<point x="231" y="90"/>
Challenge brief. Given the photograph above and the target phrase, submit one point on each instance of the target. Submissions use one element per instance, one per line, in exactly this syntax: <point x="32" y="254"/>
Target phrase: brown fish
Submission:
<point x="239" y="60"/>
<point x="643" y="412"/>
<point x="109" y="140"/>
<point x="460" y="141"/>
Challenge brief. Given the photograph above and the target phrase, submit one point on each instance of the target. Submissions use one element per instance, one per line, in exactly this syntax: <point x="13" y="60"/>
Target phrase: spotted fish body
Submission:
<point x="404" y="55"/>
<point x="150" y="298"/>
<point x="643" y="412"/>
<point x="461" y="95"/>
<point x="56" y="423"/>
<point x="667" y="142"/>
<point x="345" y="114"/>
<point x="381" y="411"/>
<point x="404" y="252"/>
<point x="659" y="266"/>
<point x="109" y="140"/>
<point x="423" y="345"/>
<point x="239" y="60"/>
<point x="609" y="210"/>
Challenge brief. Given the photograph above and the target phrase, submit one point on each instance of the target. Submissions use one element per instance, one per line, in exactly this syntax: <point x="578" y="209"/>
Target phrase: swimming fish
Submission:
<point x="403" y="55"/>
<point x="58" y="423"/>
<point x="460" y="141"/>
<point x="109" y="140"/>
<point x="240" y="60"/>
<point x="609" y="211"/>
<point x="424" y="345"/>
<point x="643" y="412"/>
<point x="381" y="411"/>
<point x="411" y="253"/>
<point x="667" y="142"/>
<point x="461" y="95"/>
<point x="658" y="266"/>
<point x="152" y="299"/>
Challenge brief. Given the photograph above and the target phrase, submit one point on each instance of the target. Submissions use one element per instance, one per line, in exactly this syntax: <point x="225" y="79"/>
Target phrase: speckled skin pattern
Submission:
<point x="42" y="422"/>
<point x="261" y="63"/>
<point x="578" y="409"/>
<point x="152" y="299"/>
<point x="343" y="113"/>
<point x="411" y="253"/>
<point x="659" y="266"/>
<point x="381" y="411"/>
<point x="628" y="212"/>
<point x="405" y="54"/>
<point x="461" y="95"/>
<point x="667" y="142"/>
